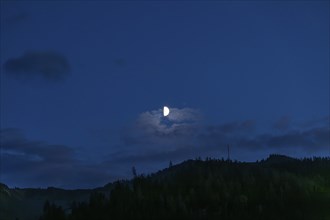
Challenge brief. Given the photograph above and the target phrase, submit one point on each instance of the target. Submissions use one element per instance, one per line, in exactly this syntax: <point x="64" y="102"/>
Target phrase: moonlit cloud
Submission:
<point x="152" y="125"/>
<point x="155" y="119"/>
<point x="184" y="115"/>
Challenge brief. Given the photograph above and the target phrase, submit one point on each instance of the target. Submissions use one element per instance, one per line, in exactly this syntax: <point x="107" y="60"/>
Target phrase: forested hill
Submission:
<point x="279" y="187"/>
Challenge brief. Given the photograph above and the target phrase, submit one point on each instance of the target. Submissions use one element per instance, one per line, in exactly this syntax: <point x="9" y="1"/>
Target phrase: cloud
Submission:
<point x="182" y="135"/>
<point x="13" y="141"/>
<point x="152" y="127"/>
<point x="49" y="65"/>
<point x="155" y="138"/>
<point x="310" y="140"/>
<point x="184" y="115"/>
<point x="323" y="121"/>
<point x="39" y="164"/>
<point x="149" y="144"/>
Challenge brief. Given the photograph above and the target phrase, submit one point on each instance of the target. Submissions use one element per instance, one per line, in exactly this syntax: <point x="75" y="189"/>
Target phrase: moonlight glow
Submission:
<point x="166" y="111"/>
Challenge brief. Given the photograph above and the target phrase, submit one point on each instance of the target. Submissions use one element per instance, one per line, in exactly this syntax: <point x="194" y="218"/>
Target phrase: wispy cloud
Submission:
<point x="152" y="127"/>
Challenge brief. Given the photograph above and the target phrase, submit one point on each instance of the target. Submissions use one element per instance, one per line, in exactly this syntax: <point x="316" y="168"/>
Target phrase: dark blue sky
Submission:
<point x="83" y="84"/>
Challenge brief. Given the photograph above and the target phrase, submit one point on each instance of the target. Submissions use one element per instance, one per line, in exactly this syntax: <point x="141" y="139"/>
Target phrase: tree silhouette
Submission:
<point x="134" y="172"/>
<point x="276" y="188"/>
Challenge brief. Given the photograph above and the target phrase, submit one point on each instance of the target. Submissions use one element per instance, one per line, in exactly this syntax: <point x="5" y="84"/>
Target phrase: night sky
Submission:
<point x="83" y="85"/>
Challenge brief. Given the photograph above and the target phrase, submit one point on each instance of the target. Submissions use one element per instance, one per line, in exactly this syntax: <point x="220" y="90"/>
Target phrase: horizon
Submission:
<point x="171" y="166"/>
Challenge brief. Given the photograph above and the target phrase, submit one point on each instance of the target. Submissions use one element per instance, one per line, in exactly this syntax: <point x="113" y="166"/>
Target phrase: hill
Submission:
<point x="279" y="187"/>
<point x="28" y="203"/>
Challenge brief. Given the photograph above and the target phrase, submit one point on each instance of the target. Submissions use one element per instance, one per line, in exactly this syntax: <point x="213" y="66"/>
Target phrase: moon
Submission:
<point x="166" y="111"/>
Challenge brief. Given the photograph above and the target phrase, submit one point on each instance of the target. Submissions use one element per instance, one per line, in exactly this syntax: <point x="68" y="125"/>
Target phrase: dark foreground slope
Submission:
<point x="277" y="188"/>
<point x="28" y="203"/>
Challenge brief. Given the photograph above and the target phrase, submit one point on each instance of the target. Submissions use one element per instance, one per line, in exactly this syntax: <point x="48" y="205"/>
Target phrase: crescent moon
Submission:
<point x="166" y="111"/>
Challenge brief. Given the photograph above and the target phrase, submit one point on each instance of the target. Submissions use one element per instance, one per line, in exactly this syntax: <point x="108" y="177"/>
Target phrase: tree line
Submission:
<point x="276" y="188"/>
